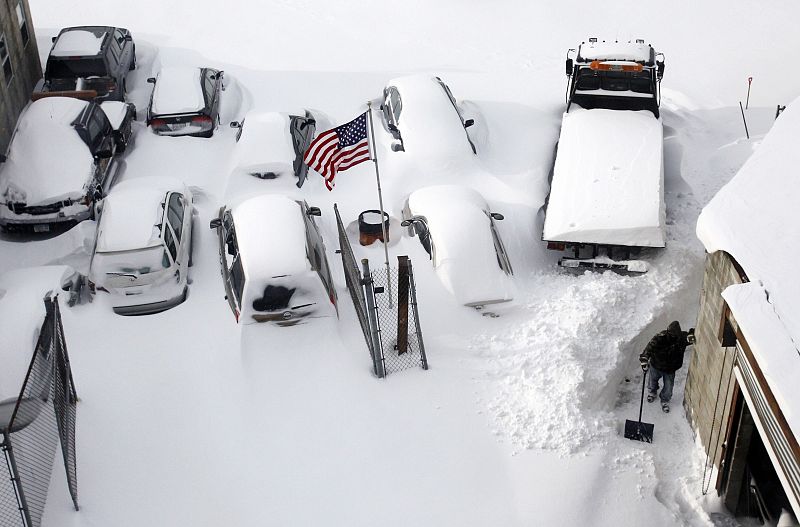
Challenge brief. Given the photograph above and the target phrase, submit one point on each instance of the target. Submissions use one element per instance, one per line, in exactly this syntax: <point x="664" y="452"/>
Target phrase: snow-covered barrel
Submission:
<point x="370" y="228"/>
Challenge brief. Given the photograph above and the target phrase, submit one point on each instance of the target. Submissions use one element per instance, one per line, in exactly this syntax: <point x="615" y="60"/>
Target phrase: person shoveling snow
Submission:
<point x="663" y="356"/>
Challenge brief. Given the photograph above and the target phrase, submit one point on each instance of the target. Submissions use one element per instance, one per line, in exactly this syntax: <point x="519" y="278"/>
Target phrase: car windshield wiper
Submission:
<point x="131" y="275"/>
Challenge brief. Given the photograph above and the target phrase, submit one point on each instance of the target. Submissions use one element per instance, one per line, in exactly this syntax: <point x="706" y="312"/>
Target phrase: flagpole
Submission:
<point x="380" y="200"/>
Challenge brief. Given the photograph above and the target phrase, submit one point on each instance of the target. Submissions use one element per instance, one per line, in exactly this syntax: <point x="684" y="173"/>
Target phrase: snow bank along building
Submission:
<point x="19" y="64"/>
<point x="743" y="388"/>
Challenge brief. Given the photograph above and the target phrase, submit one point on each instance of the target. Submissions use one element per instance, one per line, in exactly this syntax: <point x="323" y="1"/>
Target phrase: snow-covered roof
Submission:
<point x="265" y="146"/>
<point x="271" y="235"/>
<point x="754" y="219"/>
<point x="608" y="180"/>
<point x="132" y="213"/>
<point x="22" y="312"/>
<point x="465" y="258"/>
<point x="428" y="121"/>
<point x="627" y="51"/>
<point x="178" y="90"/>
<point x="115" y="111"/>
<point x="78" y="43"/>
<point x="32" y="177"/>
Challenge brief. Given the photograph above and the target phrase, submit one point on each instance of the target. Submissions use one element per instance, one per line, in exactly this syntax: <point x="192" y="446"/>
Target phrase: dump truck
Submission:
<point x="606" y="199"/>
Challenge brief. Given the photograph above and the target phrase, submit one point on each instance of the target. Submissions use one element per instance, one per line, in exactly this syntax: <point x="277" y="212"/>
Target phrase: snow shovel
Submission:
<point x="637" y="430"/>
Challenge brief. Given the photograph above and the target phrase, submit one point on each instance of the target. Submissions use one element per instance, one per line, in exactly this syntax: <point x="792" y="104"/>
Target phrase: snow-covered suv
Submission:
<point x="62" y="158"/>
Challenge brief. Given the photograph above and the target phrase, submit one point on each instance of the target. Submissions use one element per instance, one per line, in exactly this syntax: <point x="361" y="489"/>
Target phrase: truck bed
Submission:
<point x="608" y="180"/>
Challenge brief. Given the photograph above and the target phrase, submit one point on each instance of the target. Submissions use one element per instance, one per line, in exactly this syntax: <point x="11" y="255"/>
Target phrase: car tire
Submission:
<point x="133" y="62"/>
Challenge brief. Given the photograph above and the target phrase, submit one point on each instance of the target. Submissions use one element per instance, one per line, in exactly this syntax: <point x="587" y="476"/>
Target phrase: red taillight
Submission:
<point x="236" y="314"/>
<point x="556" y="246"/>
<point x="201" y="119"/>
<point x="157" y="123"/>
<point x="332" y="298"/>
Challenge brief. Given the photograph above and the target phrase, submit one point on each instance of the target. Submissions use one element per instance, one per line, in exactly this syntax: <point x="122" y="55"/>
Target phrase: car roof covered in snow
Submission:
<point x="612" y="50"/>
<point x="271" y="235"/>
<point x="133" y="212"/>
<point x="429" y="123"/>
<point x="265" y="146"/>
<point x="22" y="293"/>
<point x="465" y="256"/>
<point x="30" y="177"/>
<point x="754" y="219"/>
<point x="178" y="90"/>
<point x="607" y="180"/>
<point x="85" y="41"/>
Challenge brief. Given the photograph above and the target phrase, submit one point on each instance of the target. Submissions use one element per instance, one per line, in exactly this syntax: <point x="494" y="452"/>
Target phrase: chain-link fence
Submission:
<point x="398" y="321"/>
<point x="33" y="425"/>
<point x="391" y="330"/>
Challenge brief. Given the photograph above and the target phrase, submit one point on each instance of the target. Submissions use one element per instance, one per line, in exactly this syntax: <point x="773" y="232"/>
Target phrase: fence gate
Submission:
<point x="390" y="322"/>
<point x="33" y="424"/>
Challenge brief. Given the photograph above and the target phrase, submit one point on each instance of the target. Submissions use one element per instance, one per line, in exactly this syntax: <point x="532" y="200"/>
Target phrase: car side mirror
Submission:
<point x="236" y="124"/>
<point x="128" y="38"/>
<point x="54" y="39"/>
<point x="313" y="211"/>
<point x="660" y="69"/>
<point x="398" y="147"/>
<point x="216" y="223"/>
<point x="569" y="67"/>
<point x="151" y="80"/>
<point x="307" y="122"/>
<point x="497" y="216"/>
<point x="468" y="123"/>
<point x="391" y="127"/>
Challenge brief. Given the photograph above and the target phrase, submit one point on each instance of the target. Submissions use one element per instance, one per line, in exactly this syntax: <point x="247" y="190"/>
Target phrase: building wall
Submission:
<point x="709" y="376"/>
<point x="26" y="69"/>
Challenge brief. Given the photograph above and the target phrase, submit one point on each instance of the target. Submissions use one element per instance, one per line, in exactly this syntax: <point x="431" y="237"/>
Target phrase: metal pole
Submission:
<point x="377" y="349"/>
<point x="744" y="120"/>
<point x="374" y="153"/>
<point x="749" y="82"/>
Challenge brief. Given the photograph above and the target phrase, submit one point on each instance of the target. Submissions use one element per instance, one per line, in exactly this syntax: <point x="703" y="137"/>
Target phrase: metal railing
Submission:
<point x="41" y="418"/>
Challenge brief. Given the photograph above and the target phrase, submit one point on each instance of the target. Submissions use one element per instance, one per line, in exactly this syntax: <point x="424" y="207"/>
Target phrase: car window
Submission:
<point x="396" y="103"/>
<point x="95" y="130"/>
<point x="500" y="250"/>
<point x="169" y="241"/>
<point x="587" y="80"/>
<point x="236" y="272"/>
<point x="5" y="59"/>
<point x="315" y="251"/>
<point x="208" y="84"/>
<point x="175" y="214"/>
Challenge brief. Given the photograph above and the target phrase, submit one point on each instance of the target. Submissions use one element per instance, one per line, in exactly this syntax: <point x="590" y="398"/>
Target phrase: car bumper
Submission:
<point x="151" y="307"/>
<point x="9" y="219"/>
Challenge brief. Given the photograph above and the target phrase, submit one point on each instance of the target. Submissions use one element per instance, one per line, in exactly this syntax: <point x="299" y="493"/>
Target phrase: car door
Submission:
<point x="211" y="84"/>
<point x="449" y="94"/>
<point x="232" y="270"/>
<point x="392" y="108"/>
<point x="502" y="256"/>
<point x="302" y="131"/>
<point x="176" y="218"/>
<point x="315" y="251"/>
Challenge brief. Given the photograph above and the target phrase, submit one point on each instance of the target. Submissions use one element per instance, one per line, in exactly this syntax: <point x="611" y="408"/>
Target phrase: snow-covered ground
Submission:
<point x="187" y="419"/>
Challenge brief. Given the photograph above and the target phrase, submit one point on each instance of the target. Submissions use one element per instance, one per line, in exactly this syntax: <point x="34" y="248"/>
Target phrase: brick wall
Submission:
<point x="26" y="70"/>
<point x="710" y="360"/>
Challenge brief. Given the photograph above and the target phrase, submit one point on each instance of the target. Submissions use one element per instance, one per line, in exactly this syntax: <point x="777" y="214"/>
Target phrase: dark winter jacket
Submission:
<point x="665" y="350"/>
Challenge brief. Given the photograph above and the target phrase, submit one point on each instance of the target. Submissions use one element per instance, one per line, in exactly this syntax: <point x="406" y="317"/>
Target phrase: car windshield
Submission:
<point x="136" y="262"/>
<point x="638" y="82"/>
<point x="73" y="68"/>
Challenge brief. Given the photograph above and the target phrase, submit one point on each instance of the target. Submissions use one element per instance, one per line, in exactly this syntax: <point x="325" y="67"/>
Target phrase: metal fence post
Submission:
<point x="377" y="356"/>
<point x="414" y="309"/>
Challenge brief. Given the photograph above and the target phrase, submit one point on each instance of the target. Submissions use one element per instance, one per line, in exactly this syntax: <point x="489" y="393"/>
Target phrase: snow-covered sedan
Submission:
<point x="143" y="249"/>
<point x="63" y="156"/>
<point x="274" y="265"/>
<point x="270" y="145"/>
<point x="424" y="118"/>
<point x="185" y="101"/>
<point x="457" y="230"/>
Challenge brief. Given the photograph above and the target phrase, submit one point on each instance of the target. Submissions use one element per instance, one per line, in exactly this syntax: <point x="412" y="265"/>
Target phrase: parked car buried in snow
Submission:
<point x="270" y="145"/>
<point x="63" y="156"/>
<point x="274" y="265"/>
<point x="144" y="246"/>
<point x="89" y="62"/>
<point x="457" y="230"/>
<point x="185" y="101"/>
<point x="424" y="118"/>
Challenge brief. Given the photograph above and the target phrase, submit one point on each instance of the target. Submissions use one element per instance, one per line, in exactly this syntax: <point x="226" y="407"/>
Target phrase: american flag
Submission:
<point x="339" y="149"/>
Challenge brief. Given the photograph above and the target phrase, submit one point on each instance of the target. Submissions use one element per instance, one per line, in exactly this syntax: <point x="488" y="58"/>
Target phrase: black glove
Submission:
<point x="645" y="362"/>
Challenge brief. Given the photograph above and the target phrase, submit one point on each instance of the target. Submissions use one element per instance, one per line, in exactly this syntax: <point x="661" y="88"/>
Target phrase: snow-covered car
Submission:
<point x="89" y="62"/>
<point x="270" y="145"/>
<point x="455" y="226"/>
<point x="22" y="310"/>
<point x="62" y="158"/>
<point x="185" y="101"/>
<point x="423" y="116"/>
<point x="144" y="246"/>
<point x="274" y="265"/>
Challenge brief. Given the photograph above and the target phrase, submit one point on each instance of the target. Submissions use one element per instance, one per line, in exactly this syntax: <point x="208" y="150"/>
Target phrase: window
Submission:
<point x="170" y="242"/>
<point x="175" y="214"/>
<point x="5" y="59"/>
<point x="397" y="104"/>
<point x="23" y="23"/>
<point x="237" y="279"/>
<point x="208" y="85"/>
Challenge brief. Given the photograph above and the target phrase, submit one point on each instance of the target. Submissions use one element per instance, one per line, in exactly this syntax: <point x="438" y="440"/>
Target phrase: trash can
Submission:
<point x="370" y="228"/>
